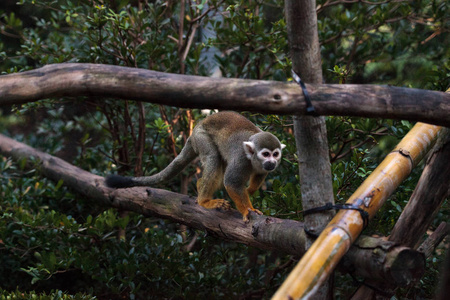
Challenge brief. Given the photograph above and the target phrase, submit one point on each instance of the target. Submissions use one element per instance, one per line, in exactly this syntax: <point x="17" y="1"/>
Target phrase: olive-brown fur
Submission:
<point x="219" y="142"/>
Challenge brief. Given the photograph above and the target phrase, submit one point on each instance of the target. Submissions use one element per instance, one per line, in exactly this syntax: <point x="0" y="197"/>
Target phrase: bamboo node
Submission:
<point x="404" y="152"/>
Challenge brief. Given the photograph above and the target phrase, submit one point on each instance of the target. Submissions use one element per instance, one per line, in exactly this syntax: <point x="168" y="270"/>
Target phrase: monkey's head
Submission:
<point x="263" y="149"/>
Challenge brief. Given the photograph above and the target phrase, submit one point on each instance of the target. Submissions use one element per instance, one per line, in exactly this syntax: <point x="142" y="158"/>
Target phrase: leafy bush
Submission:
<point x="53" y="295"/>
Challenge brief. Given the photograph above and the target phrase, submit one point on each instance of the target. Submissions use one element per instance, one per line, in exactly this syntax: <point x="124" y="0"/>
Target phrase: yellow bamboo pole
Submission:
<point x="335" y="240"/>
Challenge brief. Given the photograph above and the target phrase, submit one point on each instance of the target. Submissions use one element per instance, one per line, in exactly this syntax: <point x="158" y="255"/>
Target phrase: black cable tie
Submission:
<point x="310" y="110"/>
<point x="314" y="210"/>
<point x="364" y="214"/>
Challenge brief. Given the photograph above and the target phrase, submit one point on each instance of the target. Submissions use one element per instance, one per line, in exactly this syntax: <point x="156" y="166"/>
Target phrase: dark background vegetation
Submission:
<point x="54" y="242"/>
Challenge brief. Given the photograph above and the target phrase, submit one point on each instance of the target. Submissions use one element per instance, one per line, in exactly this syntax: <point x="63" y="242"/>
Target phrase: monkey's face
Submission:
<point x="268" y="159"/>
<point x="263" y="160"/>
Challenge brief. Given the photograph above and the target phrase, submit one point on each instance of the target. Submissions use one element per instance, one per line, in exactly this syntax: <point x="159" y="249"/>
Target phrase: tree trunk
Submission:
<point x="310" y="132"/>
<point x="444" y="289"/>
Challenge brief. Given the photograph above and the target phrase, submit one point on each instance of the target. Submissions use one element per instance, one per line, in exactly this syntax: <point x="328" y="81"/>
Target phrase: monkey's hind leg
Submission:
<point x="206" y="187"/>
<point x="212" y="176"/>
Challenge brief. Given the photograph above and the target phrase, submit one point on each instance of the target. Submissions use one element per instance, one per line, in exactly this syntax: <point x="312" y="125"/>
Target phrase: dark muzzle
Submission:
<point x="269" y="166"/>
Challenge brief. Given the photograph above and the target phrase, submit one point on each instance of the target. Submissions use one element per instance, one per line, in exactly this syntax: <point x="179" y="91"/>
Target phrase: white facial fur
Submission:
<point x="268" y="155"/>
<point x="269" y="159"/>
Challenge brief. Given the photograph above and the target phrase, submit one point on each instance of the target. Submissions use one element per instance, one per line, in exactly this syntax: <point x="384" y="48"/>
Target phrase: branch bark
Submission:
<point x="262" y="232"/>
<point x="382" y="286"/>
<point x="445" y="279"/>
<point x="432" y="241"/>
<point x="71" y="80"/>
<point x="384" y="261"/>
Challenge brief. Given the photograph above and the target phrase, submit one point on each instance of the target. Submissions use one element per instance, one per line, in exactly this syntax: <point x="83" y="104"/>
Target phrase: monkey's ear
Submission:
<point x="282" y="146"/>
<point x="249" y="148"/>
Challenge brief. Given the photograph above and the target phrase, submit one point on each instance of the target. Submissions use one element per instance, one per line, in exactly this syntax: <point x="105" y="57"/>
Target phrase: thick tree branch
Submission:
<point x="388" y="262"/>
<point x="62" y="80"/>
<point x="263" y="232"/>
<point x="433" y="240"/>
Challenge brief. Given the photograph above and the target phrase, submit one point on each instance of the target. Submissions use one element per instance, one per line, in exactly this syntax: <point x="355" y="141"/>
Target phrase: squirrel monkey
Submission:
<point x="232" y="150"/>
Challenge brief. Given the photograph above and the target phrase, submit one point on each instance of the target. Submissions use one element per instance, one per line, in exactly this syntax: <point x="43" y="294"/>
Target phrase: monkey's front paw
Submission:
<point x="250" y="210"/>
<point x="258" y="211"/>
<point x="255" y="211"/>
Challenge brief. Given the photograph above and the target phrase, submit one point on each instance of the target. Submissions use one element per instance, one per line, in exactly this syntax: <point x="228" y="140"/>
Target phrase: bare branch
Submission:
<point x="71" y="80"/>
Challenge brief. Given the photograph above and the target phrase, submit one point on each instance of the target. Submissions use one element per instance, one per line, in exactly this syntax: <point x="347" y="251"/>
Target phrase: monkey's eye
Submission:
<point x="275" y="154"/>
<point x="266" y="154"/>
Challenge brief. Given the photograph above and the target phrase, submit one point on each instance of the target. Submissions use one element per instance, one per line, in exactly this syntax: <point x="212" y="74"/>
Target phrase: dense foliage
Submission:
<point x="53" y="240"/>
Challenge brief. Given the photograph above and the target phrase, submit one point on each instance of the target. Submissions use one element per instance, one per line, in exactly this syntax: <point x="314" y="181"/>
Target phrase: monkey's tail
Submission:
<point x="176" y="166"/>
